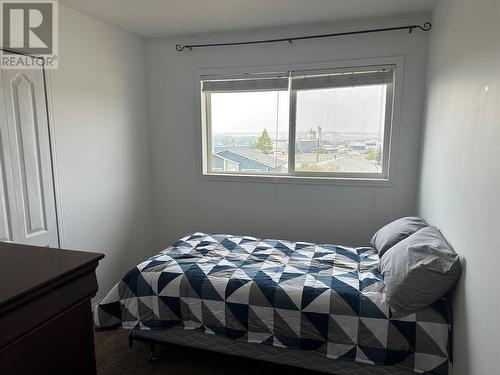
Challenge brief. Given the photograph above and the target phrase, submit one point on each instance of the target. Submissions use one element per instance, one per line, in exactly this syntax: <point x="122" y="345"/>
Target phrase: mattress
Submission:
<point x="321" y="299"/>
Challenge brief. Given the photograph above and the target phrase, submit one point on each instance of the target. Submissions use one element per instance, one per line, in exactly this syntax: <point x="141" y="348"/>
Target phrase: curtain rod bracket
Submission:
<point x="425" y="27"/>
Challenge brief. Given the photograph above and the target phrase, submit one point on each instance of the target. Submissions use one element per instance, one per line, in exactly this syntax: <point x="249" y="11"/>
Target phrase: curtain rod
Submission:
<point x="426" y="27"/>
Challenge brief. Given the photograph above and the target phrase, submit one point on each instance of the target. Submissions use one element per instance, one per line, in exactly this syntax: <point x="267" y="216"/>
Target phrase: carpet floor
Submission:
<point x="113" y="356"/>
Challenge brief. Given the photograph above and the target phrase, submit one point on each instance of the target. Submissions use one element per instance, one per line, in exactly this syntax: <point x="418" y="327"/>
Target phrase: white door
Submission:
<point x="8" y="231"/>
<point x="27" y="207"/>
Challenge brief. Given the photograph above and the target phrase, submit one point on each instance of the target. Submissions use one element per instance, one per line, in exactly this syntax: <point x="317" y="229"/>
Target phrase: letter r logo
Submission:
<point x="27" y="26"/>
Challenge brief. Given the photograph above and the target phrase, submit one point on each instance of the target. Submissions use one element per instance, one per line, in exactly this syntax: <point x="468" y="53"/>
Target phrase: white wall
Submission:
<point x="460" y="173"/>
<point x="101" y="136"/>
<point x="322" y="213"/>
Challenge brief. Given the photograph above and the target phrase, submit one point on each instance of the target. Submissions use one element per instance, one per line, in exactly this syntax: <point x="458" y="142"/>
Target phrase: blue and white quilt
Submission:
<point x="325" y="298"/>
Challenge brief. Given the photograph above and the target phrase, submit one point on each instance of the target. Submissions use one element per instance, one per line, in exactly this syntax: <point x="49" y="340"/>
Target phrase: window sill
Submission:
<point x="289" y="179"/>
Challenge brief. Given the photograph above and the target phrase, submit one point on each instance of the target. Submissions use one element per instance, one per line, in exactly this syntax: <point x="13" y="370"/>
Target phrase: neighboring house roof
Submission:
<point x="226" y="159"/>
<point x="255" y="155"/>
<point x="352" y="163"/>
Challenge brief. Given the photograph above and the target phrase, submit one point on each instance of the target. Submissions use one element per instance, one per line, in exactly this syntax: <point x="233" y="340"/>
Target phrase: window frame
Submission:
<point x="391" y="126"/>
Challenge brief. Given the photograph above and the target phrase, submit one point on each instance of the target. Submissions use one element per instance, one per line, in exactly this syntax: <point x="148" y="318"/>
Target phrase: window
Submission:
<point x="328" y="123"/>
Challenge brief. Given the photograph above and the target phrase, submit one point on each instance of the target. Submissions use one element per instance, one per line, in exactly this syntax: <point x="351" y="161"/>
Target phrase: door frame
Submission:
<point x="47" y="87"/>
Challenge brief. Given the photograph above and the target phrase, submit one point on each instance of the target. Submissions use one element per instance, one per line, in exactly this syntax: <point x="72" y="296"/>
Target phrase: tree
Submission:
<point x="264" y="143"/>
<point x="322" y="150"/>
<point x="373" y="155"/>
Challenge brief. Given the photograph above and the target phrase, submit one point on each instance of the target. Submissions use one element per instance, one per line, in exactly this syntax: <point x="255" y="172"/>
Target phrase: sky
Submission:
<point x="249" y="112"/>
<point x="348" y="110"/>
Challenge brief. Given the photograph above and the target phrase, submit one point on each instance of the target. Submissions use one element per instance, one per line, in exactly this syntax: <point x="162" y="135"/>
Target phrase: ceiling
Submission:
<point x="153" y="18"/>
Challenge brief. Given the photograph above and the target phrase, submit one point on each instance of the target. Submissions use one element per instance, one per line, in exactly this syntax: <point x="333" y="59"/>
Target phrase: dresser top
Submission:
<point x="25" y="269"/>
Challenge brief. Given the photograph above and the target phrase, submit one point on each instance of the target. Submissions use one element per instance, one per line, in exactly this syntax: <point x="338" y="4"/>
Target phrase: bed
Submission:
<point x="317" y="306"/>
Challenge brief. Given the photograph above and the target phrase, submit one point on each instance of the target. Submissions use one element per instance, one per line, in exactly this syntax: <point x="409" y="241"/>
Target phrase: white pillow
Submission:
<point x="419" y="270"/>
<point x="389" y="235"/>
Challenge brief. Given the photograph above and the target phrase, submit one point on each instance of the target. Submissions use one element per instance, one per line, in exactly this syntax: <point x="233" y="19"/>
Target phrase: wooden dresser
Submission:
<point x="46" y="324"/>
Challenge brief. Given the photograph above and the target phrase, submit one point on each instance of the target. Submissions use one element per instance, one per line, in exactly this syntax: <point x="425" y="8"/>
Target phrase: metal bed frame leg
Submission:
<point x="152" y="357"/>
<point x="131" y="339"/>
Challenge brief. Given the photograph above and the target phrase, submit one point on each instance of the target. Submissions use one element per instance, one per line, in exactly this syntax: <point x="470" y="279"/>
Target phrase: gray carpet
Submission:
<point x="115" y="357"/>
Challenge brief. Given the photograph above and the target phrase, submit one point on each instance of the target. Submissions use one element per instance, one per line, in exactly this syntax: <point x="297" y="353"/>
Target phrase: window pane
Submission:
<point x="249" y="132"/>
<point x="340" y="129"/>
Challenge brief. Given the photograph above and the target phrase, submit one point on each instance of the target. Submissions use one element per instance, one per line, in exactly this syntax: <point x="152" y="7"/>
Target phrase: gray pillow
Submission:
<point x="419" y="270"/>
<point x="389" y="235"/>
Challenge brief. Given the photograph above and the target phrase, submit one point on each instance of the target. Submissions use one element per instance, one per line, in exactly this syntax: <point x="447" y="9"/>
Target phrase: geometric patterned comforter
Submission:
<point x="300" y="295"/>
